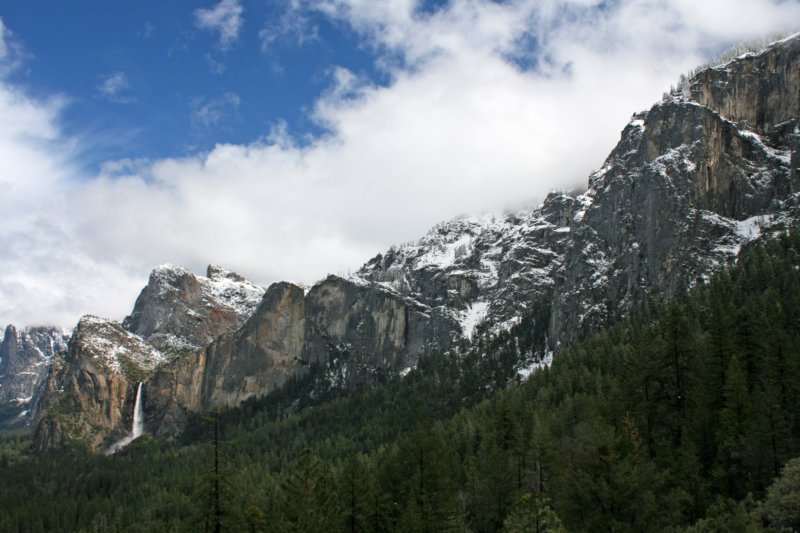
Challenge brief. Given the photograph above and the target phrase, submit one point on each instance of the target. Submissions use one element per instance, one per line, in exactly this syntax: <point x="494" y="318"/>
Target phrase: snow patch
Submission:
<point x="528" y="371"/>
<point x="445" y="254"/>
<point x="108" y="343"/>
<point x="238" y="294"/>
<point x="585" y="200"/>
<point x="472" y="317"/>
<point x="784" y="156"/>
<point x="741" y="231"/>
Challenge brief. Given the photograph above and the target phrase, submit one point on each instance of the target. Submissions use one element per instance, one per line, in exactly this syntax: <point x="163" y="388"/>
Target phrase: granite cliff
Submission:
<point x="25" y="356"/>
<point x="90" y="391"/>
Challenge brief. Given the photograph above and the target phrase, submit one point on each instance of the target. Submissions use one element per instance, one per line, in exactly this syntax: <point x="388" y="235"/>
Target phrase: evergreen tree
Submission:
<point x="308" y="497"/>
<point x="532" y="514"/>
<point x="782" y="504"/>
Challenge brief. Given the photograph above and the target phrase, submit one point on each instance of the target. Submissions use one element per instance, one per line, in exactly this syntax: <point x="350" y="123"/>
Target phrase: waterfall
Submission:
<point x="137" y="428"/>
<point x="138" y="419"/>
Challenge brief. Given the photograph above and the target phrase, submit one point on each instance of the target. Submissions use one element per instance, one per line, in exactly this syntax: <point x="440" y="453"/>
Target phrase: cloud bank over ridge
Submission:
<point x="486" y="104"/>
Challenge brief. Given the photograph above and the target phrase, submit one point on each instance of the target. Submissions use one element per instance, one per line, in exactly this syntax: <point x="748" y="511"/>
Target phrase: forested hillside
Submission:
<point x="679" y="419"/>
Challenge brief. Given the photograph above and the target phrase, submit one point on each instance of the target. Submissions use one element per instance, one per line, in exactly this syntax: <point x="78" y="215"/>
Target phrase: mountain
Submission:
<point x="25" y="356"/>
<point x="90" y="391"/>
<point x="691" y="182"/>
<point x="178" y="311"/>
<point x="684" y="415"/>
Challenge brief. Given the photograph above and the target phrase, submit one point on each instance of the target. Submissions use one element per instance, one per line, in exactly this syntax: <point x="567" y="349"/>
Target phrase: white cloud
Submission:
<point x="224" y="18"/>
<point x="292" y="27"/>
<point x="210" y="113"/>
<point x="147" y="30"/>
<point x="114" y="88"/>
<point x="458" y="128"/>
<point x="11" y="52"/>
<point x="3" y="46"/>
<point x="215" y="66"/>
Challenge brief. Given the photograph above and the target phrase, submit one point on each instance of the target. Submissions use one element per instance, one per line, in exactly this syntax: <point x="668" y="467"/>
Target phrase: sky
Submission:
<point x="290" y="139"/>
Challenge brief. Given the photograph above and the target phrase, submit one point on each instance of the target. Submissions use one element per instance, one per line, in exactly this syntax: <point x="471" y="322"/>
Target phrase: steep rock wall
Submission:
<point x="758" y="90"/>
<point x="90" y="390"/>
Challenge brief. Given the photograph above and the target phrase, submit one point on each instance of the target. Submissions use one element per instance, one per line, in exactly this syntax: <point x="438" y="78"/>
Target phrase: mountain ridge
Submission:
<point x="684" y="189"/>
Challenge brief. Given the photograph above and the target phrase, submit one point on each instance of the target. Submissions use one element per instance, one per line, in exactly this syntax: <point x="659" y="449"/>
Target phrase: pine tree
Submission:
<point x="215" y="492"/>
<point x="782" y="504"/>
<point x="308" y="497"/>
<point x="532" y="514"/>
<point x="733" y="444"/>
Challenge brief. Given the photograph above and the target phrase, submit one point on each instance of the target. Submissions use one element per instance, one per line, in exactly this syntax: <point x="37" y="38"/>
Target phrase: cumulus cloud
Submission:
<point x="47" y="276"/>
<point x="114" y="88"/>
<point x="474" y="117"/>
<point x="224" y="18"/>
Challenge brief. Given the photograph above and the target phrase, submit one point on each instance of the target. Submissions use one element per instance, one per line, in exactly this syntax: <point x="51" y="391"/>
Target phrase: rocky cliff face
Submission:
<point x="89" y="393"/>
<point x="25" y="356"/>
<point x="758" y="91"/>
<point x="691" y="182"/>
<point x="358" y="332"/>
<point x="179" y="311"/>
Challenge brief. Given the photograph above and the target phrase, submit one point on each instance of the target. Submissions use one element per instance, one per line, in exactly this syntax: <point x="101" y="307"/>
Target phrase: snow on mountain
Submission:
<point x="179" y="311"/>
<point x="25" y="355"/>
<point x="109" y="345"/>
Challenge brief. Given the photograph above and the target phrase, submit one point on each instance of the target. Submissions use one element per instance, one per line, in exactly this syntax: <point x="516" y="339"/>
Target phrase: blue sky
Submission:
<point x="291" y="139"/>
<point x="144" y="79"/>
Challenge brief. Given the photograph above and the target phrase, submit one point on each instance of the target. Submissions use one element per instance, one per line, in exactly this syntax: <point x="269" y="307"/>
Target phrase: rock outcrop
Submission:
<point x="691" y="181"/>
<point x="90" y="390"/>
<point x="357" y="332"/>
<point x="178" y="311"/>
<point x="757" y="91"/>
<point x="25" y="355"/>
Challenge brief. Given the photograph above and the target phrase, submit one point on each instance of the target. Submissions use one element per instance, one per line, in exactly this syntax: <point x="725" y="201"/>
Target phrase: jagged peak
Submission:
<point x="167" y="277"/>
<point x="94" y="320"/>
<point x="214" y="273"/>
<point x="10" y="331"/>
<point x="178" y="309"/>
<point x="218" y="272"/>
<point x="170" y="269"/>
<point x="52" y="331"/>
